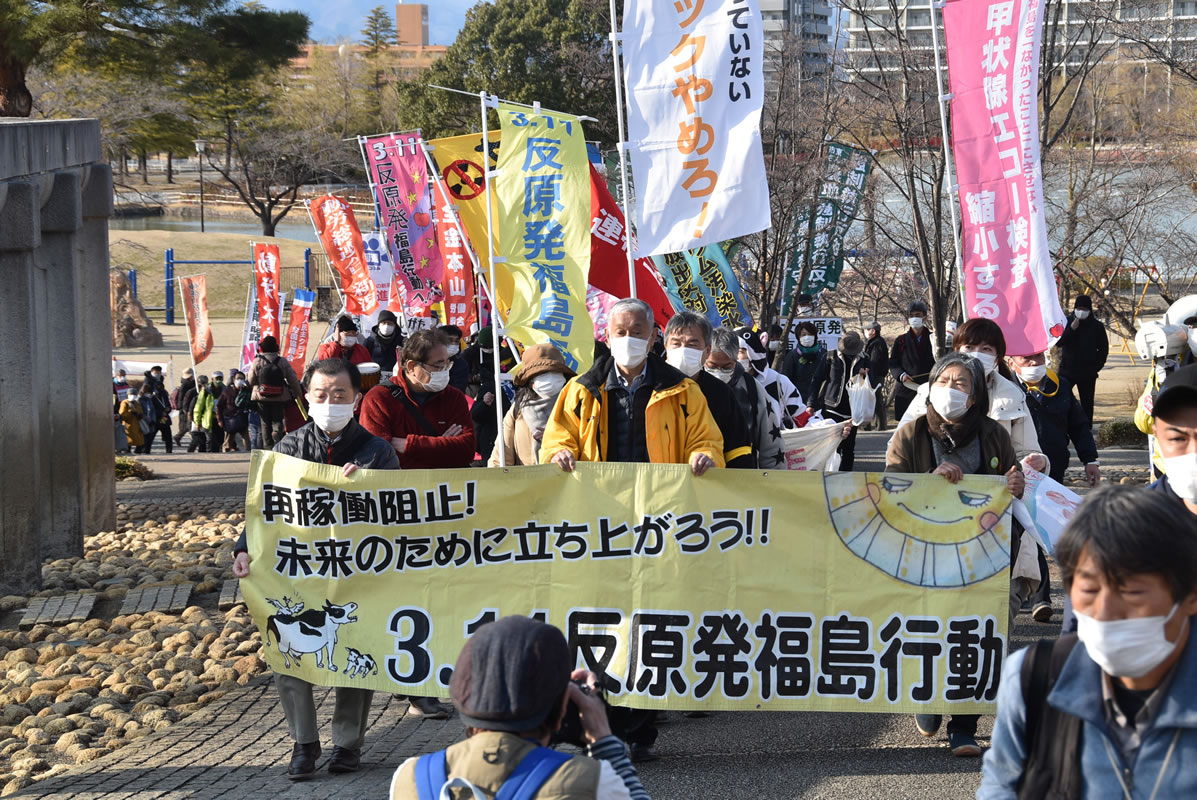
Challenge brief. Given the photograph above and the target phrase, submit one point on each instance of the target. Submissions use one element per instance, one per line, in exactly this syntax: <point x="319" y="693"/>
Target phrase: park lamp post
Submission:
<point x="200" y="146"/>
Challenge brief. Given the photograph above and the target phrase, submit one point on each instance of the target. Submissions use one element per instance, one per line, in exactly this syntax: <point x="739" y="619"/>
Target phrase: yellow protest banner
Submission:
<point x="739" y="590"/>
<point x="543" y="194"/>
<point x="460" y="162"/>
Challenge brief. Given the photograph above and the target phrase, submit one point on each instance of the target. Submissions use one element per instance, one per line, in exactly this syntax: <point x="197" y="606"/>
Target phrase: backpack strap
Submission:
<point x="531" y="774"/>
<point x="1052" y="737"/>
<point x="399" y="394"/>
<point x="431" y="775"/>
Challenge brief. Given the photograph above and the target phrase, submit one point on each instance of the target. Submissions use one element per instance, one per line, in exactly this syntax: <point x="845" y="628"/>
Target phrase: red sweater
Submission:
<point x="387" y="417"/>
<point x="358" y="354"/>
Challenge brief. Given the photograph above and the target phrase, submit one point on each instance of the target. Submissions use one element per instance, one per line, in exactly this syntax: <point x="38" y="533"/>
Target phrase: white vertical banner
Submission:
<point x="696" y="86"/>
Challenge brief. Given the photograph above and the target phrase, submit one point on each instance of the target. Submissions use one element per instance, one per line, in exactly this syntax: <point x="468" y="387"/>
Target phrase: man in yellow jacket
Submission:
<point x="632" y="406"/>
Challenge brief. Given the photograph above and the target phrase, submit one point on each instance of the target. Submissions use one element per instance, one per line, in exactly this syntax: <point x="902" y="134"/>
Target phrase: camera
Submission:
<point x="571" y="731"/>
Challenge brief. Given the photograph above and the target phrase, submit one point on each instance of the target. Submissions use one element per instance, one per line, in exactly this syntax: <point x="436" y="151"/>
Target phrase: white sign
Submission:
<point x="696" y="85"/>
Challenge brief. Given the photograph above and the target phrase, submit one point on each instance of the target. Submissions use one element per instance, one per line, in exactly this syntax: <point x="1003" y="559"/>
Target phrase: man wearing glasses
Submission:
<point x="425" y="419"/>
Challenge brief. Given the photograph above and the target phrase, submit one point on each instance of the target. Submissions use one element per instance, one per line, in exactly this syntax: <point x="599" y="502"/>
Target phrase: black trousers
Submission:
<point x="1086" y="387"/>
<point x="902" y="399"/>
<point x="847" y="451"/>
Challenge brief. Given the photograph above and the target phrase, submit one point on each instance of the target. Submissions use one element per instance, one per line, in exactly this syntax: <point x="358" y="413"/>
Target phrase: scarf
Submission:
<point x="535" y="411"/>
<point x="954" y="435"/>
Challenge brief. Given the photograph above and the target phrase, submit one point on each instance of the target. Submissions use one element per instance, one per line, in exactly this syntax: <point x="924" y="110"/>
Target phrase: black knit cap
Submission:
<point x="269" y="345"/>
<point x="1083" y="301"/>
<point x="346" y="323"/>
<point x="387" y="316"/>
<point x="511" y="675"/>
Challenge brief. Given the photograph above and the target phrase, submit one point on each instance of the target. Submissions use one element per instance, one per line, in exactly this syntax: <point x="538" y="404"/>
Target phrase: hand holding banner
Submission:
<point x="342" y="240"/>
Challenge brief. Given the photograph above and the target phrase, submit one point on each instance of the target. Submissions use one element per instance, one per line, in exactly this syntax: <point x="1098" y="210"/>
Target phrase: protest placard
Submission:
<point x="738" y="590"/>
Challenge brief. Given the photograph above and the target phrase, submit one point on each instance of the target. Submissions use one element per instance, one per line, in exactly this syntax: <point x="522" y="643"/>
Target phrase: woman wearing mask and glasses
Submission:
<point x="425" y="419"/>
<point x="538" y="380"/>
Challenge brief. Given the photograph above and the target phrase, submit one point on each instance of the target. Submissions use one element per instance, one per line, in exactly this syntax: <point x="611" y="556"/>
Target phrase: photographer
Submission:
<point x="514" y="690"/>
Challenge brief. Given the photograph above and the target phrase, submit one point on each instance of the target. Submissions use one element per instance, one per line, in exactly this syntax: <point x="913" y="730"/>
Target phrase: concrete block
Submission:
<point x="62" y="211"/>
<point x="21" y="212"/>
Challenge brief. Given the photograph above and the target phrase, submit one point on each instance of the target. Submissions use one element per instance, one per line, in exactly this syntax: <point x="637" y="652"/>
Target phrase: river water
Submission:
<point x="300" y="229"/>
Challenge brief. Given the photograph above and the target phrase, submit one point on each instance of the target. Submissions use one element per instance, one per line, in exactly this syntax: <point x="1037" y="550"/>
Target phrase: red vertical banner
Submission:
<point x="458" y="281"/>
<point x="195" y="309"/>
<point x="266" y="275"/>
<point x="295" y="349"/>
<point x="342" y="241"/>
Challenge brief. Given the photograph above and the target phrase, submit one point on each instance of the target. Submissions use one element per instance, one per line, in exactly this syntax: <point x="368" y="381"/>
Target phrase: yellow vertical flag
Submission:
<point x="460" y="162"/>
<point x="543" y="195"/>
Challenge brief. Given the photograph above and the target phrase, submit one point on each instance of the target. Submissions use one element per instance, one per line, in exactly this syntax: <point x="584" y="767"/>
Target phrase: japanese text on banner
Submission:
<point x="702" y="280"/>
<point x="543" y="195"/>
<point x="266" y="288"/>
<point x="295" y="349"/>
<point x="458" y="283"/>
<point x="993" y="66"/>
<point x="864" y="607"/>
<point x="342" y="240"/>
<point x="695" y="77"/>
<point x="195" y="308"/>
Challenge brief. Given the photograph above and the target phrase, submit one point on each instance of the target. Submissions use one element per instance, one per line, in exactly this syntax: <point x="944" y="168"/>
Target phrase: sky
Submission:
<point x="342" y="19"/>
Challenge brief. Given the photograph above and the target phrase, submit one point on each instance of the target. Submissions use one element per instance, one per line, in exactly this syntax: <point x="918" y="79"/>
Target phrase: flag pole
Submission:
<point x="490" y="247"/>
<point x="186" y="322"/>
<point x="616" y="41"/>
<point x="953" y="189"/>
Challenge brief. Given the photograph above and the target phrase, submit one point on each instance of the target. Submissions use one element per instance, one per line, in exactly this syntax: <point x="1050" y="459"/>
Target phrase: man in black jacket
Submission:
<point x="911" y="359"/>
<point x="334" y="437"/>
<point x="688" y="339"/>
<point x="384" y="340"/>
<point x="877" y="353"/>
<point x="1058" y="419"/>
<point x="1083" y="351"/>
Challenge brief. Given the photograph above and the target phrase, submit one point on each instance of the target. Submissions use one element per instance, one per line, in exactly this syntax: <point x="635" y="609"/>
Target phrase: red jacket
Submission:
<point x="387" y="417"/>
<point x="358" y="354"/>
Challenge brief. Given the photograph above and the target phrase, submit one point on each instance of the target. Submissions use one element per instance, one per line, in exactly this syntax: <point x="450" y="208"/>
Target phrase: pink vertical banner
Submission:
<point x="402" y="194"/>
<point x="993" y="67"/>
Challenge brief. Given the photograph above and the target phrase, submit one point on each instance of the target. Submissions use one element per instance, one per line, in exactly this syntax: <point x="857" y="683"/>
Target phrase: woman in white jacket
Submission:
<point x="983" y="339"/>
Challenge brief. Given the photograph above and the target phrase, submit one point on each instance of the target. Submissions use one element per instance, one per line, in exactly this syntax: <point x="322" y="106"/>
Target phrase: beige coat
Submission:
<point x="519" y="445"/>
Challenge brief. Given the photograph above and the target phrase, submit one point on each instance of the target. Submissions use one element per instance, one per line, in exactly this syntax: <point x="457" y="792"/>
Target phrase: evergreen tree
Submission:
<point x="379" y="32"/>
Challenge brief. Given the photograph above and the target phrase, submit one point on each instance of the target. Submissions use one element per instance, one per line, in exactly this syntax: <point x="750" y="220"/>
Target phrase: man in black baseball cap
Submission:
<point x="512" y="686"/>
<point x="1175" y="415"/>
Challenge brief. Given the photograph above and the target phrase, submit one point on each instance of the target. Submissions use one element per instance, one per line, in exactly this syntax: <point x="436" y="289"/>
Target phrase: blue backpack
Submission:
<point x="522" y="784"/>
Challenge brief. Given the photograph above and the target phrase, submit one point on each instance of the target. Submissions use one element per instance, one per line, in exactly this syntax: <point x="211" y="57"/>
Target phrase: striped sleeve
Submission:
<point x="612" y="750"/>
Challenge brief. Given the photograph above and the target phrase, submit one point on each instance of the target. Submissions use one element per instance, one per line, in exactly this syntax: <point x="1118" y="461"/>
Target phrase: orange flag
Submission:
<point x="195" y="309"/>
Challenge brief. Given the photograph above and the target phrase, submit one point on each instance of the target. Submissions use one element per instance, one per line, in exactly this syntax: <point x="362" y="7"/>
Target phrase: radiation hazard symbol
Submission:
<point x="918" y="534"/>
<point x="464" y="179"/>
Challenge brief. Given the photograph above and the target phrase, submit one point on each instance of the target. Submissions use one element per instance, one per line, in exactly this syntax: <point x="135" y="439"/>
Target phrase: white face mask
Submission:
<point x="1080" y="313"/>
<point x="950" y="403"/>
<point x="330" y="417"/>
<point x="348" y="340"/>
<point x="916" y="323"/>
<point x="1126" y="648"/>
<point x="988" y="360"/>
<point x="386" y="329"/>
<point x="628" y="351"/>
<point x="437" y="381"/>
<point x="806" y="341"/>
<point x="1033" y="374"/>
<point x="453" y="350"/>
<point x="804" y="310"/>
<point x="724" y="375"/>
<point x="686" y="360"/>
<point x="548" y="384"/>
<point x="1182" y="475"/>
<point x="773" y="346"/>
<point x="746" y="364"/>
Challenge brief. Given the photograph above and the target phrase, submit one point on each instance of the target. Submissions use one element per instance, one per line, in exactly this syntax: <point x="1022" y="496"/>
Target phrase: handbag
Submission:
<point x="861" y="400"/>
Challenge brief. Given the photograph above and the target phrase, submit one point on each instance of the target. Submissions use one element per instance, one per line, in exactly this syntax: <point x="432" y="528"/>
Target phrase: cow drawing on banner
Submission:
<point x="299" y="632"/>
<point x="359" y="664"/>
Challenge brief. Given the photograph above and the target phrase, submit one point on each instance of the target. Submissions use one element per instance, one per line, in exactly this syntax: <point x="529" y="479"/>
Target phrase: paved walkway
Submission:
<point x="239" y="748"/>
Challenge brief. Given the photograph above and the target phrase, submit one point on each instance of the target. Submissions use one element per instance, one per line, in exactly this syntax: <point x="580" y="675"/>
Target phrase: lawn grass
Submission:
<point x="227" y="283"/>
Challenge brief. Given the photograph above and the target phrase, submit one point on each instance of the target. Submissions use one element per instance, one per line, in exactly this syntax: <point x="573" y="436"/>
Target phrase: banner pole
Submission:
<point x="616" y="41"/>
<point x="953" y="190"/>
<point x="490" y="247"/>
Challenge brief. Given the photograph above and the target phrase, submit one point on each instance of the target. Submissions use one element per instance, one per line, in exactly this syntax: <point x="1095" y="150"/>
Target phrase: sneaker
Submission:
<point x="963" y="745"/>
<point x="427" y="707"/>
<point x="303" y="761"/>
<point x="928" y="724"/>
<point x="1042" y="612"/>
<point x="640" y="753"/>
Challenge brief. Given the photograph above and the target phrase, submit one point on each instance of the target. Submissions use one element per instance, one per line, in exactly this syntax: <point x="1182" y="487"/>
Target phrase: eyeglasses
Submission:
<point x="434" y="367"/>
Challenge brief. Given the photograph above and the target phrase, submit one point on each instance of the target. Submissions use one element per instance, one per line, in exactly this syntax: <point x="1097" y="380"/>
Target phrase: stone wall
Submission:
<point x="56" y="428"/>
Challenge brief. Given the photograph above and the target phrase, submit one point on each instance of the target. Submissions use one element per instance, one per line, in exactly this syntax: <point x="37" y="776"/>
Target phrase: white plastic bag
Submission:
<point x="861" y="399"/>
